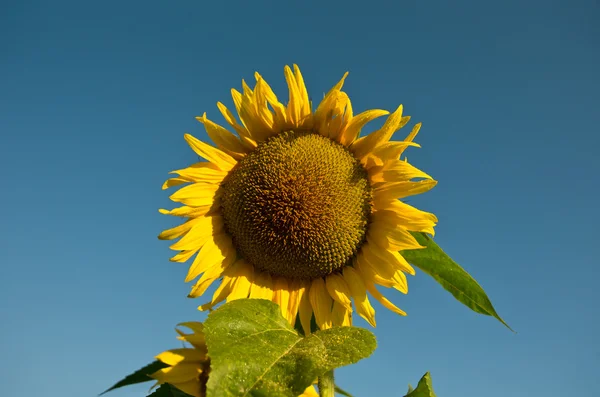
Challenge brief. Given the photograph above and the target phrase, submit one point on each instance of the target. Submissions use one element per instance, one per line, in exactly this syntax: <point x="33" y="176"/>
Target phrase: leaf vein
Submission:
<point x="270" y="366"/>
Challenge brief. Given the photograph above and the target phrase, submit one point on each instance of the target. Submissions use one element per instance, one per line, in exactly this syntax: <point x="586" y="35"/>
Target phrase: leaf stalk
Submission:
<point x="327" y="384"/>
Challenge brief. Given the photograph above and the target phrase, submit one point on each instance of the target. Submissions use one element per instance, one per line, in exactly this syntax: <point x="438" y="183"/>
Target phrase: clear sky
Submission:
<point x="95" y="98"/>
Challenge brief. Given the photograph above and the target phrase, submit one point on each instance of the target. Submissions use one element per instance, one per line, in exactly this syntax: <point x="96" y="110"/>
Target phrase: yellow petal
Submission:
<point x="359" y="294"/>
<point x="210" y="275"/>
<point x="261" y="107"/>
<point x="247" y="141"/>
<point x="196" y="194"/>
<point x="305" y="311"/>
<point x="242" y="276"/>
<point x="224" y="139"/>
<point x="191" y="387"/>
<point x="177" y="374"/>
<point x="196" y="338"/>
<point x="188" y="212"/>
<point x="237" y="102"/>
<point x="256" y="126"/>
<point x="396" y="171"/>
<point x="230" y="118"/>
<point x="387" y="151"/>
<point x="179" y="230"/>
<point x="393" y="277"/>
<point x="326" y="110"/>
<point x="303" y="93"/>
<point x="218" y="249"/>
<point x="202" y="172"/>
<point x="367" y="260"/>
<point x="339" y="85"/>
<point x="171" y="182"/>
<point x="330" y="114"/>
<point x="183" y="256"/>
<point x="321" y="303"/>
<point x="262" y="287"/>
<point x="399" y="214"/>
<point x="370" y="271"/>
<point x="341" y="316"/>
<point x="196" y="326"/>
<point x="197" y="236"/>
<point x="279" y="117"/>
<point x="333" y="123"/>
<point x="407" y="211"/>
<point x="176" y="356"/>
<point x="362" y="147"/>
<point x="357" y="123"/>
<point x="221" y="159"/>
<point x="396" y="190"/>
<point x="411" y="136"/>
<point x="294" y="107"/>
<point x="245" y="110"/>
<point x="373" y="268"/>
<point x="222" y="292"/>
<point x="392" y="238"/>
<point x="383" y="300"/>
<point x="297" y="290"/>
<point x="338" y="290"/>
<point x="309" y="392"/>
<point x="398" y="261"/>
<point x="394" y="259"/>
<point x="247" y="91"/>
<point x="281" y="295"/>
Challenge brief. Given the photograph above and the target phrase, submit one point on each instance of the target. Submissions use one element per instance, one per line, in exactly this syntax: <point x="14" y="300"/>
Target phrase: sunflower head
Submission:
<point x="187" y="368"/>
<point x="297" y="207"/>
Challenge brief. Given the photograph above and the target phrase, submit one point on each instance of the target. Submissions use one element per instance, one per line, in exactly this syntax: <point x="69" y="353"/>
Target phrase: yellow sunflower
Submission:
<point x="189" y="367"/>
<point x="297" y="208"/>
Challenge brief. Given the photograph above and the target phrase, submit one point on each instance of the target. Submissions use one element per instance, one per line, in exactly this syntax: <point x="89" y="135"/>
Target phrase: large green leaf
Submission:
<point x="166" y="390"/>
<point x="139" y="376"/>
<point x="424" y="388"/>
<point x="255" y="352"/>
<point x="435" y="262"/>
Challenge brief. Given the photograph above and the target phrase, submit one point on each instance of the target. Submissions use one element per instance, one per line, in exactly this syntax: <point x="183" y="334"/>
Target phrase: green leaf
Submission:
<point x="424" y="388"/>
<point x="139" y="376"/>
<point x="410" y="388"/>
<point x="435" y="262"/>
<point x="255" y="352"/>
<point x="341" y="391"/>
<point x="166" y="390"/>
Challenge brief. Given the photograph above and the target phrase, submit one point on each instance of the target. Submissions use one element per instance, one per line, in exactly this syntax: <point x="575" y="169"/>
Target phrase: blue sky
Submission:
<point x="95" y="98"/>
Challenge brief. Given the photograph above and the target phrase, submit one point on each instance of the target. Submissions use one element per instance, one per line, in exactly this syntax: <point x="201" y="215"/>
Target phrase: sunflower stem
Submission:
<point x="326" y="384"/>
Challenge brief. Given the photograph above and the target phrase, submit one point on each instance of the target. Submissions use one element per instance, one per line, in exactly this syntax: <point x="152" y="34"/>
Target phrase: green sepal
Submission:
<point x="139" y="376"/>
<point x="166" y="390"/>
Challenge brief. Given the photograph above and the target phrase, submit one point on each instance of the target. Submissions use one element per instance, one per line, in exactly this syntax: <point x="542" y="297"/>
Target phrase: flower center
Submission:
<point x="297" y="206"/>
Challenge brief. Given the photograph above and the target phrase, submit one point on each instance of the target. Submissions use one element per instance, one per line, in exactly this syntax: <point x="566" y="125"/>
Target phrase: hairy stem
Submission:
<point x="326" y="385"/>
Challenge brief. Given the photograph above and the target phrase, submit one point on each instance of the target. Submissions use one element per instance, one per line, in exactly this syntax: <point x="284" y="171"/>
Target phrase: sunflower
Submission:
<point x="297" y="208"/>
<point x="188" y="368"/>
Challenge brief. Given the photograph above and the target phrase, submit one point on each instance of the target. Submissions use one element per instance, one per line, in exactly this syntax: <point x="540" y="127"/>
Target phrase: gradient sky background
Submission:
<point x="95" y="98"/>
